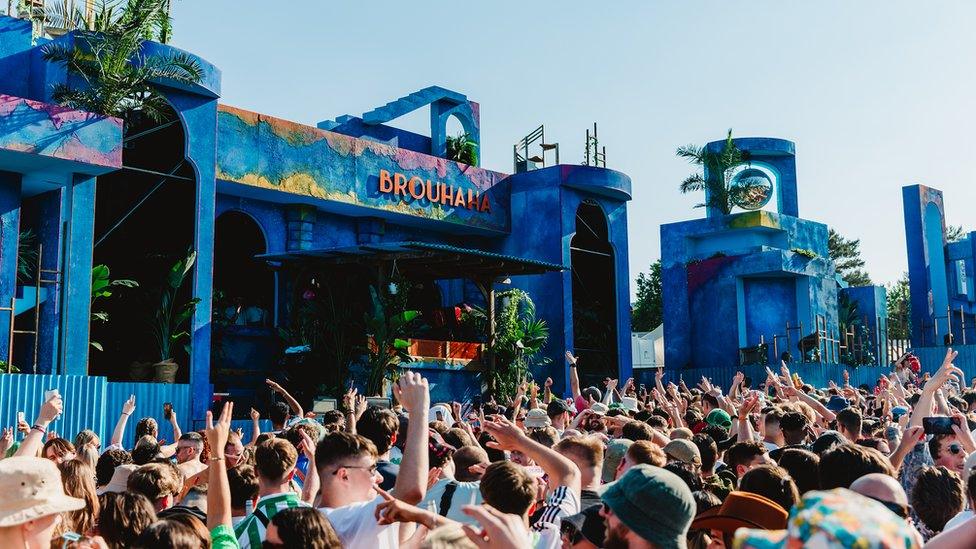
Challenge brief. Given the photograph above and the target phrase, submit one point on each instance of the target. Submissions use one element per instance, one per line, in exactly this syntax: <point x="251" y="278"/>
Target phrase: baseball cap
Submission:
<point x="614" y="454"/>
<point x="837" y="403"/>
<point x="719" y="417"/>
<point x="683" y="450"/>
<point x="32" y="489"/>
<point x="558" y="406"/>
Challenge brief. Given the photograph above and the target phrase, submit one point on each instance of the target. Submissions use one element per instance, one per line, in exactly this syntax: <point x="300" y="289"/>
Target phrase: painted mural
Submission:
<point x="50" y="130"/>
<point x="274" y="154"/>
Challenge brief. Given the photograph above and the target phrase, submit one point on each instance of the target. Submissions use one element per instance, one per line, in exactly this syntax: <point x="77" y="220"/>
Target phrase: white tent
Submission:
<point x="648" y="348"/>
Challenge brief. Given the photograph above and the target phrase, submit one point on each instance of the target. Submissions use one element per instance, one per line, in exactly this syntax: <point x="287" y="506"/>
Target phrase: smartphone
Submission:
<point x="51" y="393"/>
<point x="167" y="410"/>
<point x="20" y="418"/>
<point x="938" y="425"/>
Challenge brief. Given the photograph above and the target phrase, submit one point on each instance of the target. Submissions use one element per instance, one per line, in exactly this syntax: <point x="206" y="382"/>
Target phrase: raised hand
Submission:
<point x="50" y="410"/>
<point x="255" y="415"/>
<point x="6" y="440"/>
<point x="612" y="384"/>
<point x="498" y="530"/>
<point x="571" y="359"/>
<point x="307" y="445"/>
<point x="217" y="433"/>
<point x="412" y="391"/>
<point x="349" y="399"/>
<point x="548" y="383"/>
<point x="129" y="405"/>
<point x="506" y="434"/>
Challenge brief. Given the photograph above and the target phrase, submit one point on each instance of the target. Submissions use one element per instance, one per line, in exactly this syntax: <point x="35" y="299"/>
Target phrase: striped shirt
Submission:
<point x="562" y="503"/>
<point x="251" y="531"/>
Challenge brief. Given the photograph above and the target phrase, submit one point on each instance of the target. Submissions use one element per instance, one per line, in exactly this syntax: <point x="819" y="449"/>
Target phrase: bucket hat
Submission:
<point x="32" y="489"/>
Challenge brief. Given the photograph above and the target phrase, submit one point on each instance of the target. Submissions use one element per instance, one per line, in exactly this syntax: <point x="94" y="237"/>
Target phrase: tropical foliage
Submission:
<point x="26" y="256"/>
<point x="846" y="255"/>
<point x="386" y="350"/>
<point x="648" y="310"/>
<point x="171" y="315"/>
<point x="112" y="75"/>
<point x="716" y="178"/>
<point x="462" y="149"/>
<point x="102" y="288"/>
<point x="899" y="309"/>
<point x="520" y="338"/>
<point x="955" y="233"/>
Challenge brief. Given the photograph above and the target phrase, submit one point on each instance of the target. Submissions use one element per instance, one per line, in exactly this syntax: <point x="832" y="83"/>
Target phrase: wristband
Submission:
<point x="39" y="428"/>
<point x="212" y="458"/>
<point x="126" y="413"/>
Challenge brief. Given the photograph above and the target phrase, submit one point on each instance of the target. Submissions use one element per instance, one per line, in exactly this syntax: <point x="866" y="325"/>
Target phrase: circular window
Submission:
<point x="751" y="189"/>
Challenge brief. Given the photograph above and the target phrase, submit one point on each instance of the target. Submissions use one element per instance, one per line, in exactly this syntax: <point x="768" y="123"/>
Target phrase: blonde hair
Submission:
<point x="78" y="479"/>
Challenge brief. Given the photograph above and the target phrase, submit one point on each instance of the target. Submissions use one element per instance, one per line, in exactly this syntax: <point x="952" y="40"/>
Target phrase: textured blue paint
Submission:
<point x="9" y="237"/>
<point x="872" y="309"/>
<point x="77" y="275"/>
<point x="15" y="46"/>
<point x="83" y="396"/>
<point x="47" y="212"/>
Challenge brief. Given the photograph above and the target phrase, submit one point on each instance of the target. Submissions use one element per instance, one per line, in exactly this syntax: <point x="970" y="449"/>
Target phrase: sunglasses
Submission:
<point x="371" y="469"/>
<point x="902" y="511"/>
<point x="955" y="449"/>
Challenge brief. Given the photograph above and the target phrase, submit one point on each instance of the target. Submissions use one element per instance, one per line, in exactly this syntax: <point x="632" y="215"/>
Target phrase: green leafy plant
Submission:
<point x="462" y="149"/>
<point x="387" y="347"/>
<point x="520" y="337"/>
<point x="809" y="254"/>
<point x="717" y="175"/>
<point x="102" y="287"/>
<point x="117" y="78"/>
<point x="170" y="317"/>
<point x="26" y="256"/>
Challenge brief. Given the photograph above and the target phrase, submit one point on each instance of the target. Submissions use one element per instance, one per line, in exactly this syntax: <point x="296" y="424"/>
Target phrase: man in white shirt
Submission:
<point x="346" y="466"/>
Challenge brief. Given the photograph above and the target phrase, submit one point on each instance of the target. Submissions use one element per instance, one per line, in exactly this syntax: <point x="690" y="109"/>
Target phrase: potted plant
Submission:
<point x="387" y="347"/>
<point x="170" y="317"/>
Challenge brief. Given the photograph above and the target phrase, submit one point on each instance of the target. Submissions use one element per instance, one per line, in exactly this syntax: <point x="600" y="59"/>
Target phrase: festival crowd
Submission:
<point x="757" y="465"/>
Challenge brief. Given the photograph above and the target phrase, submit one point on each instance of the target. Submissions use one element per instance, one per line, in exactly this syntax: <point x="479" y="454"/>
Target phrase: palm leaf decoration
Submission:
<point x="462" y="149"/>
<point x="116" y="78"/>
<point x="716" y="178"/>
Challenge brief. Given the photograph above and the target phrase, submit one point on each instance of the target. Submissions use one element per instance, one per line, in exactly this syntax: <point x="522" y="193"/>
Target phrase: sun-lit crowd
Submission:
<point x="759" y="464"/>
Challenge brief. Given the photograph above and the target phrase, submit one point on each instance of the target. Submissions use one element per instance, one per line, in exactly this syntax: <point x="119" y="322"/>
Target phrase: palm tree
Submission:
<point x="106" y="55"/>
<point x="716" y="180"/>
<point x="462" y="149"/>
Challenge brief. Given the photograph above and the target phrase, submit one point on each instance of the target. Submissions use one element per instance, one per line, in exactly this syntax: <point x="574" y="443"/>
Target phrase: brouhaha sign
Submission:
<point x="410" y="189"/>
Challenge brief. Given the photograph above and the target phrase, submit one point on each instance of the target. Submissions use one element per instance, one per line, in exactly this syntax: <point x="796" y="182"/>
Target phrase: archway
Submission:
<point x="594" y="295"/>
<point x="144" y="222"/>
<point x="241" y="282"/>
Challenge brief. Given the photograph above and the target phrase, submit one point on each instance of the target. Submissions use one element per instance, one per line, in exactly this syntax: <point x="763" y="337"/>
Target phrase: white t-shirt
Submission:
<point x="357" y="528"/>
<point x="563" y="502"/>
<point x="465" y="493"/>
<point x="960" y="518"/>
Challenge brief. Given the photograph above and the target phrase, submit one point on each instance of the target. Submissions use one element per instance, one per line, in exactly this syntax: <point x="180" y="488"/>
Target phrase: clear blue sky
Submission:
<point x="876" y="94"/>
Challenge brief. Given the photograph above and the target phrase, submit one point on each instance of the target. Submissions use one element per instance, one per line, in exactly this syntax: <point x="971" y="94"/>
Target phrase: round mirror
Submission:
<point x="751" y="189"/>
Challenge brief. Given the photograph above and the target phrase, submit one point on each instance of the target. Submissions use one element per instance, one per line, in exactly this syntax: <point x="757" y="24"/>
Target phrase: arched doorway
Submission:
<point x="144" y="222"/>
<point x="594" y="296"/>
<point x="241" y="281"/>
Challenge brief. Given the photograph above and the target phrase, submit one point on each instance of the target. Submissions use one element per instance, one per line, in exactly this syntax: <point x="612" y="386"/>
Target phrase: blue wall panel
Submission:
<point x="149" y="402"/>
<point x="84" y="401"/>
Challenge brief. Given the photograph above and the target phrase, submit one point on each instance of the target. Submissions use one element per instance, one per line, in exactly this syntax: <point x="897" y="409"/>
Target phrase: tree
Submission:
<point x="899" y="309"/>
<point x="846" y="255"/>
<point x="462" y="149"/>
<point x="955" y="233"/>
<point x="716" y="178"/>
<point x="648" y="311"/>
<point x="106" y="55"/>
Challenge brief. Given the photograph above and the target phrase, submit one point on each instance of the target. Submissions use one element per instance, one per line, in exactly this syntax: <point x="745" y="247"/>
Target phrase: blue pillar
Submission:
<point x="49" y="234"/>
<point x="76" y="274"/>
<point x="9" y="237"/>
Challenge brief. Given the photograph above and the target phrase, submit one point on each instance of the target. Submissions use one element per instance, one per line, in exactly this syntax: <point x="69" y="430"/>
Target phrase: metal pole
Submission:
<point x="37" y="304"/>
<point x="10" y="344"/>
<point x="491" y="327"/>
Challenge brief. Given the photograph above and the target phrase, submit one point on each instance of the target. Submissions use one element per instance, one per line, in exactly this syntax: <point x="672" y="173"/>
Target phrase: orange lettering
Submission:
<point x="386" y="183"/>
<point x="473" y="199"/>
<point x="430" y="192"/>
<point x="399" y="184"/>
<point x="459" y="199"/>
<point x="414" y="194"/>
<point x="447" y="194"/>
<point x="485" y="206"/>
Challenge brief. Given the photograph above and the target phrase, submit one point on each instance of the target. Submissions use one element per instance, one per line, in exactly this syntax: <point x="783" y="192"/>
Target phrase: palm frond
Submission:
<point x="692" y="153"/>
<point x="693" y="183"/>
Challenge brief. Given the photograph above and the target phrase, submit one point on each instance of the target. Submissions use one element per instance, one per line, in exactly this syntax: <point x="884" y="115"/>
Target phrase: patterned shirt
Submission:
<point x="251" y="531"/>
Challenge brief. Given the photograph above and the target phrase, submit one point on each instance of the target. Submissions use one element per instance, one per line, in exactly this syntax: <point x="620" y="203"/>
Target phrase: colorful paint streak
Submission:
<point x="51" y="130"/>
<point x="275" y="154"/>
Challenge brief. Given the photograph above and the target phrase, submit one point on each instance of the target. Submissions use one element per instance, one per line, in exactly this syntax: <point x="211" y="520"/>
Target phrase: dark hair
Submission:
<point x="458" y="437"/>
<point x="794" y="427"/>
<point x="274" y="459"/>
<point x="772" y="482"/>
<point x="493" y="454"/>
<point x="708" y="450"/>
<point x="379" y="425"/>
<point x="145" y="450"/>
<point x="466" y="457"/>
<point x="935" y="445"/>
<point x="592" y="392"/>
<point x="717" y="432"/>
<point x="686" y="472"/>
<point x="937" y="496"/>
<point x="843" y="464"/>
<point x="123" y="516"/>
<point x="333" y="417"/>
<point x="167" y="534"/>
<point x="305" y="527"/>
<point x="107" y="462"/>
<point x="850" y="419"/>
<point x="657" y="420"/>
<point x="147" y="426"/>
<point x="637" y="430"/>
<point x="62" y="447"/>
<point x="803" y="466"/>
<point x="278" y="413"/>
<point x="705" y="500"/>
<point x="339" y="446"/>
<point x="546" y="436"/>
<point x="195" y="524"/>
<point x="741" y="453"/>
<point x="508" y="487"/>
<point x="712" y="400"/>
<point x="243" y="481"/>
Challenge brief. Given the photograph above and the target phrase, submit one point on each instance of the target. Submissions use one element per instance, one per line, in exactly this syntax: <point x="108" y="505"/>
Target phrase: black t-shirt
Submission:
<point x="389" y="472"/>
<point x="589" y="498"/>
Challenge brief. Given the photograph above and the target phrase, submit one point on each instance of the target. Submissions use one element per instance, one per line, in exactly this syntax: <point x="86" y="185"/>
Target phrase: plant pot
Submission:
<point x="166" y="371"/>
<point x="141" y="371"/>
